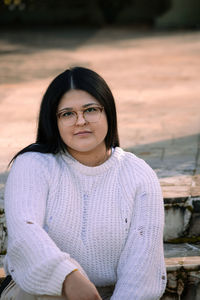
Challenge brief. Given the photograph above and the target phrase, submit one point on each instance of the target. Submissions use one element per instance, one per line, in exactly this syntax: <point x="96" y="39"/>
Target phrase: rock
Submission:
<point x="177" y="218"/>
<point x="195" y="225"/>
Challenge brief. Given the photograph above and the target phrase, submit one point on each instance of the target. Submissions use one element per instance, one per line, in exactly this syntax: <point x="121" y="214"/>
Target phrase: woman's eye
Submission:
<point x="92" y="109"/>
<point x="68" y="114"/>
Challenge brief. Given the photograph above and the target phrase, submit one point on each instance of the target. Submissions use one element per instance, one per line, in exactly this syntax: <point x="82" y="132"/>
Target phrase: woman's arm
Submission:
<point x="34" y="260"/>
<point x="141" y="273"/>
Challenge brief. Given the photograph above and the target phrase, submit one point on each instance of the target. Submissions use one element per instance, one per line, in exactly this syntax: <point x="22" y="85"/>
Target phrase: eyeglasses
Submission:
<point x="91" y="114"/>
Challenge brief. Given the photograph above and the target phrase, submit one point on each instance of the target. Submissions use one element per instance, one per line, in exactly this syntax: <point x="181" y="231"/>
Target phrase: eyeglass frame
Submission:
<point x="82" y="111"/>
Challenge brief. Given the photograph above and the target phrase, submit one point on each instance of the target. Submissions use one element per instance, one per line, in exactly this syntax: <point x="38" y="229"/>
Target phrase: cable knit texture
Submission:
<point x="107" y="221"/>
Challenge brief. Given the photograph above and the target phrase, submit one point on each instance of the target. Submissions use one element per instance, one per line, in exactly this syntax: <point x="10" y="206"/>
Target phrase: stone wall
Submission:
<point x="182" y="220"/>
<point x="183" y="278"/>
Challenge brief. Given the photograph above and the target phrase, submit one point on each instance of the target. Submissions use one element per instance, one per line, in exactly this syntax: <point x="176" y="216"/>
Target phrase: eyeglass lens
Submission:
<point x="91" y="114"/>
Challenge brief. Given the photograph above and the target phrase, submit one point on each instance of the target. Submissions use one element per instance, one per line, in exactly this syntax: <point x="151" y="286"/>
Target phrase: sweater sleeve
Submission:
<point x="141" y="272"/>
<point x="33" y="259"/>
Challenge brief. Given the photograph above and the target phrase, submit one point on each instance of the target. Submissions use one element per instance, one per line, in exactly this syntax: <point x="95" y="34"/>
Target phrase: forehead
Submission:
<point x="76" y="99"/>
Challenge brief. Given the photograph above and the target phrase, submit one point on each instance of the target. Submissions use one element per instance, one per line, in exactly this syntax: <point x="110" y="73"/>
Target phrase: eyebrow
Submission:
<point x="71" y="108"/>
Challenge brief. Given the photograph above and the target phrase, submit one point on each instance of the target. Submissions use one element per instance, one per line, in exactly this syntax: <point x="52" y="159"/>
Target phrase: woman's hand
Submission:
<point x="78" y="287"/>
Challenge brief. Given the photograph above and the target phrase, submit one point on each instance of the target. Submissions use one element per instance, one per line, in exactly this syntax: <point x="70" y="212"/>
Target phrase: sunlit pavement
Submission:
<point x="154" y="77"/>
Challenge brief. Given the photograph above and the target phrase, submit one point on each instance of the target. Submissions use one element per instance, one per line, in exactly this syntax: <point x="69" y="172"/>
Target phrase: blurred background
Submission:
<point x="148" y="51"/>
<point x="173" y="13"/>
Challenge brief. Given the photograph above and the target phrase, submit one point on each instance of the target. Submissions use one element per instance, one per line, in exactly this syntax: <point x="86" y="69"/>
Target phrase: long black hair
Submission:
<point x="48" y="138"/>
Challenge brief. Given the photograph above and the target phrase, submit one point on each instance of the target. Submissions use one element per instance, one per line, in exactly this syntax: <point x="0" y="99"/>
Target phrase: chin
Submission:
<point x="81" y="148"/>
<point x="84" y="148"/>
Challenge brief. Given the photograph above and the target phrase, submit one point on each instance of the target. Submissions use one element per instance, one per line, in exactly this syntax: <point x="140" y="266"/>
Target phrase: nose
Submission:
<point x="80" y="119"/>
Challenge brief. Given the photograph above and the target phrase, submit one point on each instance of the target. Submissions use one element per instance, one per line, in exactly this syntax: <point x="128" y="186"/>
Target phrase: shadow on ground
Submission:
<point x="27" y="50"/>
<point x="173" y="157"/>
<point x="66" y="37"/>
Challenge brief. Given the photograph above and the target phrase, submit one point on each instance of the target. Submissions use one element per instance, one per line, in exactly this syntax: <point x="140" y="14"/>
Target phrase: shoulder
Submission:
<point x="33" y="159"/>
<point x="33" y="164"/>
<point x="135" y="165"/>
<point x="135" y="170"/>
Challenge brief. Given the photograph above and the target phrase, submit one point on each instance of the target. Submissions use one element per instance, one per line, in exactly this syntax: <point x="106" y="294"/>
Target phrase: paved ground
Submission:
<point x="154" y="77"/>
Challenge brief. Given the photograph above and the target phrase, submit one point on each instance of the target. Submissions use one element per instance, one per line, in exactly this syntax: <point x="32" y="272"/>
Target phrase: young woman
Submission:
<point x="84" y="217"/>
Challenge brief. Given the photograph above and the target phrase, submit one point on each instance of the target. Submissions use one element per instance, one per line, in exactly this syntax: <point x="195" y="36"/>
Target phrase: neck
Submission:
<point x="91" y="158"/>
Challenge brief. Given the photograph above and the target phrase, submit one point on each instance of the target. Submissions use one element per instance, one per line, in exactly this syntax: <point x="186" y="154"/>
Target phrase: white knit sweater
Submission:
<point x="107" y="221"/>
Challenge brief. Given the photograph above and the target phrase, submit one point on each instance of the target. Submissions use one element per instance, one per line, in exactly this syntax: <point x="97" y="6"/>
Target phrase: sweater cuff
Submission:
<point x="59" y="275"/>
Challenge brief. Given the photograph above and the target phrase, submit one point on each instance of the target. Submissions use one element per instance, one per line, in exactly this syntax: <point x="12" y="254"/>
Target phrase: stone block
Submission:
<point x="192" y="292"/>
<point x="194" y="229"/>
<point x="176" y="186"/>
<point x="177" y="219"/>
<point x="175" y="191"/>
<point x="196" y="204"/>
<point x="183" y="278"/>
<point x="181" y="250"/>
<point x="197" y="171"/>
<point x="195" y="188"/>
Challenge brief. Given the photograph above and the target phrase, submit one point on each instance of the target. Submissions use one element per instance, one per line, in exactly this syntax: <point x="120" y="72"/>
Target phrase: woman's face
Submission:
<point x="78" y="133"/>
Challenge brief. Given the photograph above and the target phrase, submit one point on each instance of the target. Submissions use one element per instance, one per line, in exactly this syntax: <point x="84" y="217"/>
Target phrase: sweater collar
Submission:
<point x="109" y="163"/>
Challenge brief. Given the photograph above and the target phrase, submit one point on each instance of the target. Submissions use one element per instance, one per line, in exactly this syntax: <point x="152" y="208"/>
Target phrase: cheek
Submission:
<point x="103" y="126"/>
<point x="64" y="134"/>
